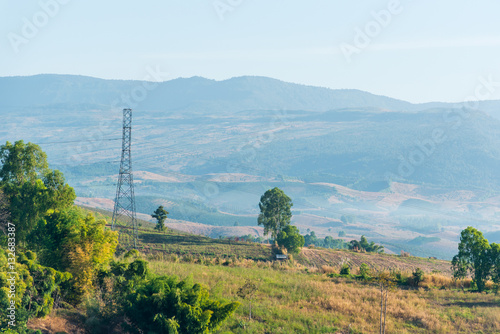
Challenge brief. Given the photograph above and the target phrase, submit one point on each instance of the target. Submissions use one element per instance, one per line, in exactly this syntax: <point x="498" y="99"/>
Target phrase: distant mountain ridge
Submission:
<point x="198" y="95"/>
<point x="208" y="150"/>
<point x="346" y="136"/>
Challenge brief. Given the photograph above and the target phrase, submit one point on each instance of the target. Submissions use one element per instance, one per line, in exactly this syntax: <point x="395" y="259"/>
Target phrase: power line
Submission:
<point x="78" y="141"/>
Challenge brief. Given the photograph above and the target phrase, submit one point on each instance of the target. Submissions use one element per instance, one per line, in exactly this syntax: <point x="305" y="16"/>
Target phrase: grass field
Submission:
<point x="185" y="244"/>
<point x="296" y="301"/>
<point x="299" y="297"/>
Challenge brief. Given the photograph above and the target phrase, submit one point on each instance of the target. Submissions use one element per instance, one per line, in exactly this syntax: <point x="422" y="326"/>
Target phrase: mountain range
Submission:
<point x="209" y="149"/>
<point x="200" y="94"/>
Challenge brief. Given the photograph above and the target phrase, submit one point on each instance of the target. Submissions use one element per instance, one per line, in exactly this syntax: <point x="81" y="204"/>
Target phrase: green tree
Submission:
<point x="74" y="241"/>
<point x="328" y="242"/>
<point x="36" y="287"/>
<point x="495" y="254"/>
<point x="4" y="214"/>
<point x="474" y="256"/>
<point x="363" y="244"/>
<point x="275" y="211"/>
<point x="22" y="163"/>
<point x="160" y="215"/>
<point x="58" y="194"/>
<point x="311" y="239"/>
<point x="31" y="188"/>
<point x="290" y="238"/>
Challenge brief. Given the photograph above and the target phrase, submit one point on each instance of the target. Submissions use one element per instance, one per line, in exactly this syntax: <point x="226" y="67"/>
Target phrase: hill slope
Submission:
<point x="207" y="150"/>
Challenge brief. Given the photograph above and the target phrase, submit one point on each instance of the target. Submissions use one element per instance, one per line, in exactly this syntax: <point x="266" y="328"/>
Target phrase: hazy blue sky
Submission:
<point x="426" y="50"/>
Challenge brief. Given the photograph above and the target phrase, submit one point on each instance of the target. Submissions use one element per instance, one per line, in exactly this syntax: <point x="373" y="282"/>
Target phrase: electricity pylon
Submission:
<point x="125" y="199"/>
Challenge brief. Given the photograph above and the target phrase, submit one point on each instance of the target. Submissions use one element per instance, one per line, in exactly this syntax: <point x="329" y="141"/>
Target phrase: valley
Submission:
<point x="410" y="177"/>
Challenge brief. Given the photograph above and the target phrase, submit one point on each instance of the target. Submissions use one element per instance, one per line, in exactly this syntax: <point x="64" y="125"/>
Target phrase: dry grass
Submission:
<point x="329" y="269"/>
<point x="440" y="281"/>
<point x="291" y="300"/>
<point x="334" y="258"/>
<point x="59" y="322"/>
<point x="297" y="299"/>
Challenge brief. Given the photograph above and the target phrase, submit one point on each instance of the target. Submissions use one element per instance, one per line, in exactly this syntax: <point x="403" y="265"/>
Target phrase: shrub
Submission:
<point x="132" y="297"/>
<point x="133" y="253"/>
<point x="345" y="270"/>
<point x="364" y="271"/>
<point x="36" y="287"/>
<point x="417" y="276"/>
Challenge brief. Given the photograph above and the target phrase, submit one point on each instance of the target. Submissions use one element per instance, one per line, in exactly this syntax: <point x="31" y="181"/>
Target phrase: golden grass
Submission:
<point x="57" y="322"/>
<point x="439" y="281"/>
<point x="329" y="270"/>
<point x="291" y="300"/>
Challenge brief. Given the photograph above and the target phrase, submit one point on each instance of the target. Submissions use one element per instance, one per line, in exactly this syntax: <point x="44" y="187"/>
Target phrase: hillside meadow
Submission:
<point x="298" y="296"/>
<point x="306" y="294"/>
<point x="295" y="300"/>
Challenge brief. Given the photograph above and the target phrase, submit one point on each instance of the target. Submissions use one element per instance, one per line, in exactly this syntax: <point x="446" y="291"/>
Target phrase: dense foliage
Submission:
<point x="31" y="188"/>
<point x="290" y="238"/>
<point x="156" y="304"/>
<point x="275" y="211"/>
<point x="326" y="242"/>
<point x="477" y="257"/>
<point x="76" y="242"/>
<point x="160" y="215"/>
<point x="364" y="245"/>
<point x="75" y="260"/>
<point x="35" y="288"/>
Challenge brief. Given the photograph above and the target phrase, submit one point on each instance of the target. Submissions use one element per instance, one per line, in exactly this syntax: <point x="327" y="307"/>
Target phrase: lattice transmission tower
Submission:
<point x="125" y="199"/>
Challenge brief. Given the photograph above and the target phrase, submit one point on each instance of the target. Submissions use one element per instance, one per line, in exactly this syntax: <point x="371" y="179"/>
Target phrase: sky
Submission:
<point x="414" y="50"/>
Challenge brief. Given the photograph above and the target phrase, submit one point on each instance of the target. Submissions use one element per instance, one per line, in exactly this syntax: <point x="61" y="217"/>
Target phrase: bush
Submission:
<point x="36" y="288"/>
<point x="164" y="304"/>
<point x="345" y="270"/>
<point x="399" y="277"/>
<point x="417" y="276"/>
<point x="133" y="253"/>
<point x="364" y="271"/>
